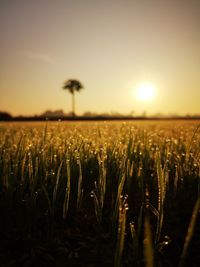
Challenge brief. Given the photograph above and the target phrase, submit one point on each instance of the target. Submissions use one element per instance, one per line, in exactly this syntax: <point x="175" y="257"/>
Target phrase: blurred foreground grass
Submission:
<point x="100" y="193"/>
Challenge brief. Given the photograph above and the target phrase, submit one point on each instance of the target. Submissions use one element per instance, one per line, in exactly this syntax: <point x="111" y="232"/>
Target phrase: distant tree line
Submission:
<point x="59" y="114"/>
<point x="5" y="116"/>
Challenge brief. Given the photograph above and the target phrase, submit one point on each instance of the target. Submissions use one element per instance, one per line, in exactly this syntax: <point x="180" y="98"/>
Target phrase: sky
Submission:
<point x="111" y="46"/>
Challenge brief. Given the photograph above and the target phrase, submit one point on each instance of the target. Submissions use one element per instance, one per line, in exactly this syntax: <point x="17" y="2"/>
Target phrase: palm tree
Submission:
<point x="72" y="86"/>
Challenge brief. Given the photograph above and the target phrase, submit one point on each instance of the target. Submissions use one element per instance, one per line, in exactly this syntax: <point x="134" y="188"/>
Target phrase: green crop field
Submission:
<point x="100" y="194"/>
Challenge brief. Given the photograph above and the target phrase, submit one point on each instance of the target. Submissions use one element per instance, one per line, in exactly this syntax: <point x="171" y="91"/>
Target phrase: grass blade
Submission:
<point x="190" y="233"/>
<point x="67" y="192"/>
<point x="148" y="244"/>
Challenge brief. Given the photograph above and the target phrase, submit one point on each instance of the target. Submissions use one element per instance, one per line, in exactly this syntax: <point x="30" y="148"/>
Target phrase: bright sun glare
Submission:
<point x="145" y="91"/>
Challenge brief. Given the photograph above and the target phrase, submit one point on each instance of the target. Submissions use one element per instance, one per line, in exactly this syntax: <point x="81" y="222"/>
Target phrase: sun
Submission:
<point x="145" y="91"/>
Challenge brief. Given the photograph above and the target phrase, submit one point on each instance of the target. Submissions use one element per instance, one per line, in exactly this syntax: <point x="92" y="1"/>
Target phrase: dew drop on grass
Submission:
<point x="92" y="194"/>
<point x="167" y="240"/>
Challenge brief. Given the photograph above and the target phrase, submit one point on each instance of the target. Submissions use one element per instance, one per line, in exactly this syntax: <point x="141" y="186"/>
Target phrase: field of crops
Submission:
<point x="100" y="194"/>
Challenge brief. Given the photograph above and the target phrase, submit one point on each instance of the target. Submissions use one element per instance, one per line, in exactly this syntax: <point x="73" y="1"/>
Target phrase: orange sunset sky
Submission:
<point x="111" y="46"/>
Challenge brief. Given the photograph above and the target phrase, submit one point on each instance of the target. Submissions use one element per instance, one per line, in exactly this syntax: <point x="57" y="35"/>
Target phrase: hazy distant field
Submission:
<point x="100" y="193"/>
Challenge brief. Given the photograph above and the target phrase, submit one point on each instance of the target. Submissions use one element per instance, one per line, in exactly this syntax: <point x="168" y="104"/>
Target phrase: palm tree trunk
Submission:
<point x="73" y="105"/>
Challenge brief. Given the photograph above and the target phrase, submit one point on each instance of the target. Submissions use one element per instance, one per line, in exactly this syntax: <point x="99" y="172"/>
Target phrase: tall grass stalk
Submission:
<point x="121" y="183"/>
<point x="50" y="210"/>
<point x="161" y="174"/>
<point x="80" y="190"/>
<point x="190" y="233"/>
<point x="118" y="199"/>
<point x="102" y="181"/>
<point x="123" y="207"/>
<point x="55" y="191"/>
<point x="148" y="244"/>
<point x="135" y="242"/>
<point x="98" y="194"/>
<point x="97" y="207"/>
<point x="147" y="241"/>
<point x="67" y="191"/>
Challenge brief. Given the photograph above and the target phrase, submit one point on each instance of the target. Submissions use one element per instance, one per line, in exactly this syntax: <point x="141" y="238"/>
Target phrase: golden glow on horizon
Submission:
<point x="145" y="91"/>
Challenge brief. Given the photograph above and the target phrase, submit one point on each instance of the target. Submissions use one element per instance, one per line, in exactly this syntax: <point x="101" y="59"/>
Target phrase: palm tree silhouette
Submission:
<point x="72" y="86"/>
